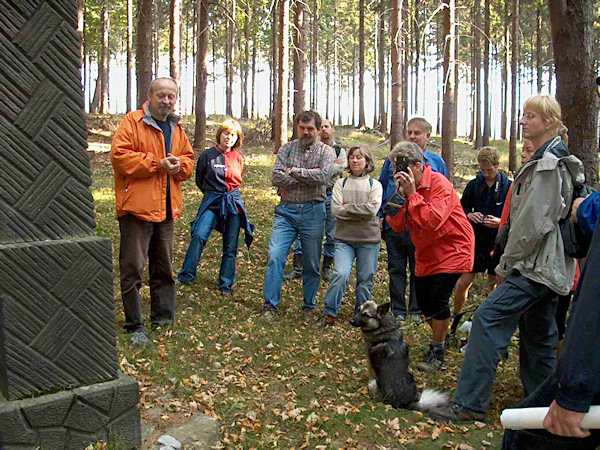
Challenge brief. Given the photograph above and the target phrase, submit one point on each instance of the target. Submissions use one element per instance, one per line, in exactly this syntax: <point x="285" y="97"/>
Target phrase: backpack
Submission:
<point x="575" y="240"/>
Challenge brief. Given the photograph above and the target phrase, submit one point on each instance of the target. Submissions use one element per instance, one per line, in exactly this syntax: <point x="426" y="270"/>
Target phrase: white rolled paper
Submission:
<point x="533" y="418"/>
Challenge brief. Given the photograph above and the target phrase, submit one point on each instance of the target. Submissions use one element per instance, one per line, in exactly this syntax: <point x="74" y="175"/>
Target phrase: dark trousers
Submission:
<point x="401" y="252"/>
<point x="542" y="439"/>
<point x="141" y="240"/>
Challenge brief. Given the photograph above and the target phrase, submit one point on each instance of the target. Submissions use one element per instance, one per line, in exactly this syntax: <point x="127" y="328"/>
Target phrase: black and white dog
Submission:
<point x="388" y="360"/>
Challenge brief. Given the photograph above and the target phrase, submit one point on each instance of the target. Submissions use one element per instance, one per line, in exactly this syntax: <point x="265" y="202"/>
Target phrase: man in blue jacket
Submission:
<point x="400" y="249"/>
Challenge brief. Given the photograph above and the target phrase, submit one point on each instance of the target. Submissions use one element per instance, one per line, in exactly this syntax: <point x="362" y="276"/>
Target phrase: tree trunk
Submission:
<point x="282" y="71"/>
<point x="361" y="65"/>
<point x="449" y="104"/>
<point x="512" y="146"/>
<point x="573" y="36"/>
<point x="353" y="99"/>
<point x="327" y="75"/>
<point x="175" y="39"/>
<point x="143" y="51"/>
<point x="299" y="61"/>
<point x="129" y="64"/>
<point x="95" y="103"/>
<point x="396" y="133"/>
<point x="404" y="66"/>
<point x="486" y="75"/>
<point x="382" y="71"/>
<point x="505" y="64"/>
<point x="253" y="107"/>
<point x="104" y="57"/>
<point x="538" y="50"/>
<point x="245" y="64"/>
<point x="201" y="75"/>
<point x="80" y="28"/>
<point x="155" y="28"/>
<point x="375" y="65"/>
<point x="477" y="71"/>
<point x="417" y="50"/>
<point x="274" y="71"/>
<point x="314" y="102"/>
<point x="229" y="56"/>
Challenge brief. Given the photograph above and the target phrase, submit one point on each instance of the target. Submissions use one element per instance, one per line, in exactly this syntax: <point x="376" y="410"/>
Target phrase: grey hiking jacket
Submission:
<point x="541" y="197"/>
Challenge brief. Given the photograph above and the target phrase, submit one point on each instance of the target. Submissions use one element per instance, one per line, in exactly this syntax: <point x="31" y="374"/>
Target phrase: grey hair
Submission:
<point x="408" y="149"/>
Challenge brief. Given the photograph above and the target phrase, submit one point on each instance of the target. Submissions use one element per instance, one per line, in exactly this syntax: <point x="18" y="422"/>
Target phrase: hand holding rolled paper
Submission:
<point x="533" y="418"/>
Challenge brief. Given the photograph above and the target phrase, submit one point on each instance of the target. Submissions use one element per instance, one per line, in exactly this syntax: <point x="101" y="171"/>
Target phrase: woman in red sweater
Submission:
<point x="443" y="238"/>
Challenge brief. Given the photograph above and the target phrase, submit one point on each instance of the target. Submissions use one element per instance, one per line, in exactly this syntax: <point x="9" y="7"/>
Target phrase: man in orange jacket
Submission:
<point x="151" y="156"/>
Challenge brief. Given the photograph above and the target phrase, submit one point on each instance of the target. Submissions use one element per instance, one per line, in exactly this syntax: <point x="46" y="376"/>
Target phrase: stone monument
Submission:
<point x="59" y="382"/>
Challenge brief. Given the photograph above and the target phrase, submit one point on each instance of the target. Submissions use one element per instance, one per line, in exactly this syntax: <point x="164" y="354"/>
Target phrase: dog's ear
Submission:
<point x="383" y="309"/>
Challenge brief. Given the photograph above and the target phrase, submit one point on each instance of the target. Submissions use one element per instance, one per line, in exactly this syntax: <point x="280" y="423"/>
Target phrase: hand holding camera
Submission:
<point x="403" y="176"/>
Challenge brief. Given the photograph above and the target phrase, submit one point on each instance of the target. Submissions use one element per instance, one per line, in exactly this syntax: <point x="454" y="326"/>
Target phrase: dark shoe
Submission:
<point x="433" y="360"/>
<point x="296" y="270"/>
<point x="268" y="315"/>
<point x="226" y="294"/>
<point x="139" y="338"/>
<point x="326" y="321"/>
<point x="326" y="270"/>
<point x="456" y="414"/>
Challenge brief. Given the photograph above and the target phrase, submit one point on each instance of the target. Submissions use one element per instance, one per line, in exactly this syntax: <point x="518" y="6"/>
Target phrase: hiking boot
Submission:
<point x="456" y="414"/>
<point x="309" y="314"/>
<point x="433" y="360"/>
<point x="268" y="315"/>
<point x="326" y="321"/>
<point x="139" y="338"/>
<point x="296" y="269"/>
<point x="326" y="270"/>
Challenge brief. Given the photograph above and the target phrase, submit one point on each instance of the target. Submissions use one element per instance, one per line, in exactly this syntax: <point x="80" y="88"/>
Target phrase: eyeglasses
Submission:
<point x="528" y="116"/>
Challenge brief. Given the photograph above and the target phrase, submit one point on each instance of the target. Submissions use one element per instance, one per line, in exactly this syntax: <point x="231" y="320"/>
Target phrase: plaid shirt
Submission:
<point x="311" y="170"/>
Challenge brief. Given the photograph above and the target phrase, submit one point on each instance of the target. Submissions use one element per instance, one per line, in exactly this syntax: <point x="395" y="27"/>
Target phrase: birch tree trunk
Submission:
<point x="281" y="114"/>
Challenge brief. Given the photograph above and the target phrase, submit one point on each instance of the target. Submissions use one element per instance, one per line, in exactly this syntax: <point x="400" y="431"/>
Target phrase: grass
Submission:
<point x="283" y="384"/>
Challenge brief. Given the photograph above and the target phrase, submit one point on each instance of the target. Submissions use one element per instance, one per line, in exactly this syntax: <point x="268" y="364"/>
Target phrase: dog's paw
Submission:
<point x="373" y="388"/>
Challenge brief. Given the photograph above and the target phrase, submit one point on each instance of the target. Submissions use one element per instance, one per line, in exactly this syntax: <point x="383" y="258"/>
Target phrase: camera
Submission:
<point x="395" y="204"/>
<point x="401" y="164"/>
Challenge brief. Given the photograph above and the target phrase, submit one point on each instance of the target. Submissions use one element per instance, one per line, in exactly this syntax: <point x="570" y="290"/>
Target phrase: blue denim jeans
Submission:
<point x="366" y="266"/>
<point x="401" y="253"/>
<point x="305" y="221"/>
<point x="329" y="246"/>
<point x="201" y="231"/>
<point x="517" y="301"/>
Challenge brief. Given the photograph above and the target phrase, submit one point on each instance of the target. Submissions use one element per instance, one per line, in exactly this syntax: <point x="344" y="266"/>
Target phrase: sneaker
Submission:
<point x="456" y="414"/>
<point x="268" y="314"/>
<point x="433" y="360"/>
<point x="309" y="314"/>
<point x="139" y="338"/>
<point x="326" y="321"/>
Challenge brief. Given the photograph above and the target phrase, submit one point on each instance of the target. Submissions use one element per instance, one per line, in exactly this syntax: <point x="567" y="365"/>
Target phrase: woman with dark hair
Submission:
<point x="219" y="174"/>
<point x="355" y="203"/>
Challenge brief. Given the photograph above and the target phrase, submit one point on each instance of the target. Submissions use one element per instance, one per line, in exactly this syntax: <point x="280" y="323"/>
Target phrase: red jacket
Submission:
<point x="140" y="186"/>
<point x="443" y="237"/>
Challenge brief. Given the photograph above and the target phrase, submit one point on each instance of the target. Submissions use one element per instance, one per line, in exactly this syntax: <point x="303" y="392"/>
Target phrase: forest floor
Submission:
<point x="283" y="384"/>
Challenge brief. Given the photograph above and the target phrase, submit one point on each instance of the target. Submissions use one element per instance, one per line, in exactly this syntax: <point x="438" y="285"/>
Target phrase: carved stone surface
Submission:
<point x="57" y="326"/>
<point x="85" y="420"/>
<point x="43" y="163"/>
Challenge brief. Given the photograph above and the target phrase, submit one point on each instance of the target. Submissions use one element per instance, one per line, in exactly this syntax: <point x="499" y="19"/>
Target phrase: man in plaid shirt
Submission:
<point x="301" y="172"/>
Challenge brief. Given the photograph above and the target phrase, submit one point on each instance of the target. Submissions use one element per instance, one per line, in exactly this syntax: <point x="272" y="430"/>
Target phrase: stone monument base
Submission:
<point x="74" y="419"/>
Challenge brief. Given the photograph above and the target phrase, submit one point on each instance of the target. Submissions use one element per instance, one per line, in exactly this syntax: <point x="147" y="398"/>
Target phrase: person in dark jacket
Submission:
<point x="219" y="175"/>
<point x="483" y="200"/>
<point x="575" y="385"/>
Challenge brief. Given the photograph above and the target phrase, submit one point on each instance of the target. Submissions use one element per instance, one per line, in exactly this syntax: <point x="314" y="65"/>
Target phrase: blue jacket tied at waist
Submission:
<point x="230" y="203"/>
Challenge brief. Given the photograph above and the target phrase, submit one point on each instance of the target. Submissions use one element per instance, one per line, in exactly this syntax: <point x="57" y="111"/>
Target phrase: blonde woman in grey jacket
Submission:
<point x="533" y="270"/>
<point x="355" y="203"/>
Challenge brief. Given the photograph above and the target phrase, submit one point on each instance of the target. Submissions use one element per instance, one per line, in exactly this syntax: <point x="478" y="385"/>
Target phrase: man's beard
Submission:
<point x="307" y="141"/>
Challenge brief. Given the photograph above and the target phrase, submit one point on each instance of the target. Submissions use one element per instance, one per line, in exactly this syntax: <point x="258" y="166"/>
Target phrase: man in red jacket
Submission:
<point x="151" y="156"/>
<point x="443" y="238"/>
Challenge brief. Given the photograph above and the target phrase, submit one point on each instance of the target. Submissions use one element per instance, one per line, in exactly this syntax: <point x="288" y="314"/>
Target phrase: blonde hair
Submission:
<point x="489" y="155"/>
<point x="412" y="151"/>
<point x="370" y="167"/>
<point x="548" y="109"/>
<point x="231" y="125"/>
